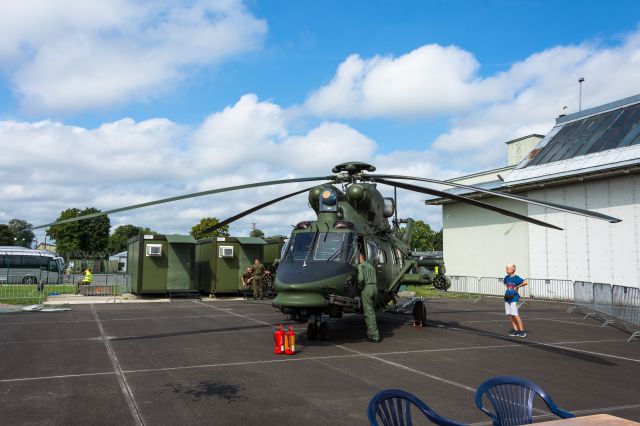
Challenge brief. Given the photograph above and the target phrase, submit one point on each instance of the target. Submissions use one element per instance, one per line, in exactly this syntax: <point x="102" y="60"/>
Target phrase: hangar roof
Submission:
<point x="604" y="138"/>
<point x="596" y="139"/>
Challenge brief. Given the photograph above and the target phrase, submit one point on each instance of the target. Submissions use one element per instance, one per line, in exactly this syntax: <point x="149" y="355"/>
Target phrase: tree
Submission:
<point x="22" y="231"/>
<point x="200" y="230"/>
<point x="256" y="233"/>
<point x="6" y="236"/>
<point x="118" y="239"/>
<point x="423" y="238"/>
<point x="66" y="234"/>
<point x="437" y="241"/>
<point x="85" y="238"/>
<point x="94" y="233"/>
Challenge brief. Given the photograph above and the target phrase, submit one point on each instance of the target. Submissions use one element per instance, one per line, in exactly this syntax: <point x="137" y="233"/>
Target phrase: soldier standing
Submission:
<point x="257" y="270"/>
<point x="367" y="278"/>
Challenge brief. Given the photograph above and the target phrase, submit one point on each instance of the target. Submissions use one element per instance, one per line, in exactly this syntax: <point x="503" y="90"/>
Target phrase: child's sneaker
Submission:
<point x="514" y="333"/>
<point x="522" y="333"/>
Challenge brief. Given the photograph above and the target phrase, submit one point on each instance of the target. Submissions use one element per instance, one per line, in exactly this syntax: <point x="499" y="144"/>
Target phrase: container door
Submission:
<point x="179" y="272"/>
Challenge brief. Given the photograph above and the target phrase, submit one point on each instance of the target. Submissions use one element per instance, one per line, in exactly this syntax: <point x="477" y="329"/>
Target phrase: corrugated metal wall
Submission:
<point x="588" y="249"/>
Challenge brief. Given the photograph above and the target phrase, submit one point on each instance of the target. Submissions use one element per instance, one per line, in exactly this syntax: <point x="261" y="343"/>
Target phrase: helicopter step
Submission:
<point x="317" y="331"/>
<point x="350" y="304"/>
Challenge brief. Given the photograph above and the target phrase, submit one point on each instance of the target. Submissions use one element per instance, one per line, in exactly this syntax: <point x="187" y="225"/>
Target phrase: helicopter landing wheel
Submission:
<point x="324" y="331"/>
<point x="312" y="331"/>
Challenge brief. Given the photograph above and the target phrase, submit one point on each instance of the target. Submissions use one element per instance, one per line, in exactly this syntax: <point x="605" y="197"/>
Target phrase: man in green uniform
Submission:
<point x="257" y="270"/>
<point x="245" y="280"/>
<point x="367" y="279"/>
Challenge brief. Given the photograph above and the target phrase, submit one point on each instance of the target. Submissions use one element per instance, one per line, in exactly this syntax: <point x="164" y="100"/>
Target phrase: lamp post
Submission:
<point x="580" y="81"/>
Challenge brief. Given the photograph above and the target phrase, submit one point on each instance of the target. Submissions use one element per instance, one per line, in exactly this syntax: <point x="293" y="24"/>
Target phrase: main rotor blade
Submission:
<point x="560" y="207"/>
<point x="184" y="197"/>
<point x="253" y="209"/>
<point x="466" y="201"/>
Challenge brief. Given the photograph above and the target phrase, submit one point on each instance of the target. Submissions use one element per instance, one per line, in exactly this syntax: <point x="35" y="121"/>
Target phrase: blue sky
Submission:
<point x="426" y="86"/>
<point x="307" y="40"/>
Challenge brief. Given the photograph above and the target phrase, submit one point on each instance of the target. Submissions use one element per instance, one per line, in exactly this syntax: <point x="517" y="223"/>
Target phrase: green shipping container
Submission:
<point x="220" y="262"/>
<point x="161" y="263"/>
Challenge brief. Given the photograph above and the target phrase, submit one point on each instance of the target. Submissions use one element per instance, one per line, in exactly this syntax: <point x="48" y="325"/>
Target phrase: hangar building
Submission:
<point x="589" y="159"/>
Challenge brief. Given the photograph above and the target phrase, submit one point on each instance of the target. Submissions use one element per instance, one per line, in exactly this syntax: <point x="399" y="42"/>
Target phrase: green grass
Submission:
<point x="60" y="288"/>
<point x="427" y="292"/>
<point x="11" y="294"/>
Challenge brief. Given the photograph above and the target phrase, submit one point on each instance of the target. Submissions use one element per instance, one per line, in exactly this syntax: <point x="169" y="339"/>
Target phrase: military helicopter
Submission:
<point x="316" y="272"/>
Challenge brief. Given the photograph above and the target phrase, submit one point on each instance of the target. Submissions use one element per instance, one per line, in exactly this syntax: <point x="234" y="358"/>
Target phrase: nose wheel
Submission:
<point x="315" y="330"/>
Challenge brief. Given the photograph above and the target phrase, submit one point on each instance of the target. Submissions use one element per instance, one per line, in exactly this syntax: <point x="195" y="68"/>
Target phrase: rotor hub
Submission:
<point x="353" y="168"/>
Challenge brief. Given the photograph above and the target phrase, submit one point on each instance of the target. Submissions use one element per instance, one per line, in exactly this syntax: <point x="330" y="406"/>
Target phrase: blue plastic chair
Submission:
<point x="393" y="407"/>
<point x="512" y="399"/>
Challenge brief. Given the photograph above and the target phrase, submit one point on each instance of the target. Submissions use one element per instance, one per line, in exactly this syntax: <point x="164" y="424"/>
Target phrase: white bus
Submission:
<point x="19" y="265"/>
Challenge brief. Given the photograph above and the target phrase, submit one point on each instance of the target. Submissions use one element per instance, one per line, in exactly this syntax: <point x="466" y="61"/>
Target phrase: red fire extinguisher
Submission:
<point x="278" y="340"/>
<point x="290" y="341"/>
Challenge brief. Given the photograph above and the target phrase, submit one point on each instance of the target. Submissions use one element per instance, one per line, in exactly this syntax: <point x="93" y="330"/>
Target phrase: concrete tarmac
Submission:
<point x="212" y="362"/>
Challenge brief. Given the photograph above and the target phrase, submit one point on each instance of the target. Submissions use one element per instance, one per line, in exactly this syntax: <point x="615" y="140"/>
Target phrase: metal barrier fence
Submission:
<point x="602" y="294"/>
<point x="612" y="304"/>
<point x="13" y="291"/>
<point x="23" y="294"/>
<point x="582" y="292"/>
<point x="491" y="286"/>
<point x="463" y="284"/>
<point x="549" y="289"/>
<point x="625" y="296"/>
<point x="537" y="288"/>
<point x="99" y="279"/>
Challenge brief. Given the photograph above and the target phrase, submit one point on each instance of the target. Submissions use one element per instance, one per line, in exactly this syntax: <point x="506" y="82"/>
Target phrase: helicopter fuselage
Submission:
<point x="318" y="268"/>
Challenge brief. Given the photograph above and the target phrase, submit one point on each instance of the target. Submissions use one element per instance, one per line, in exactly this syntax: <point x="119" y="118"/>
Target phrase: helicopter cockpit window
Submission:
<point x="372" y="251"/>
<point x="382" y="257"/>
<point x="394" y="257"/>
<point x="285" y="249"/>
<point x="333" y="246"/>
<point x="400" y="258"/>
<point x="350" y="248"/>
<point x="299" y="246"/>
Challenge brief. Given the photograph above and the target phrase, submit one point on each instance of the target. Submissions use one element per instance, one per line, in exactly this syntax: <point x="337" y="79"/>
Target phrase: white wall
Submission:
<point x="517" y="150"/>
<point x="480" y="242"/>
<point x="589" y="249"/>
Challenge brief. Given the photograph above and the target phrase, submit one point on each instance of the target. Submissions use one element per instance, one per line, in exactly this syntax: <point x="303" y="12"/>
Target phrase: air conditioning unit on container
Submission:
<point x="154" y="249"/>
<point x="225" y="251"/>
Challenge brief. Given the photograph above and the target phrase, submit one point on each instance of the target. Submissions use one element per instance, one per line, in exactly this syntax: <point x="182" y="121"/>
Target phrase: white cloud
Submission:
<point x="539" y="87"/>
<point x="50" y="166"/>
<point x="71" y="54"/>
<point x="256" y="134"/>
<point x="49" y="152"/>
<point x="432" y="79"/>
<point x="484" y="111"/>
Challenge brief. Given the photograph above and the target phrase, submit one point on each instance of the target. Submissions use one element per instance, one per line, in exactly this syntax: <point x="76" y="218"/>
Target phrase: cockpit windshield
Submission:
<point x="299" y="246"/>
<point x="327" y="247"/>
<point x="334" y="246"/>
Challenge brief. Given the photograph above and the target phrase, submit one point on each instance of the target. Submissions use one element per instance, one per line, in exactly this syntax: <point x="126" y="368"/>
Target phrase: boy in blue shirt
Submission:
<point x="512" y="283"/>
